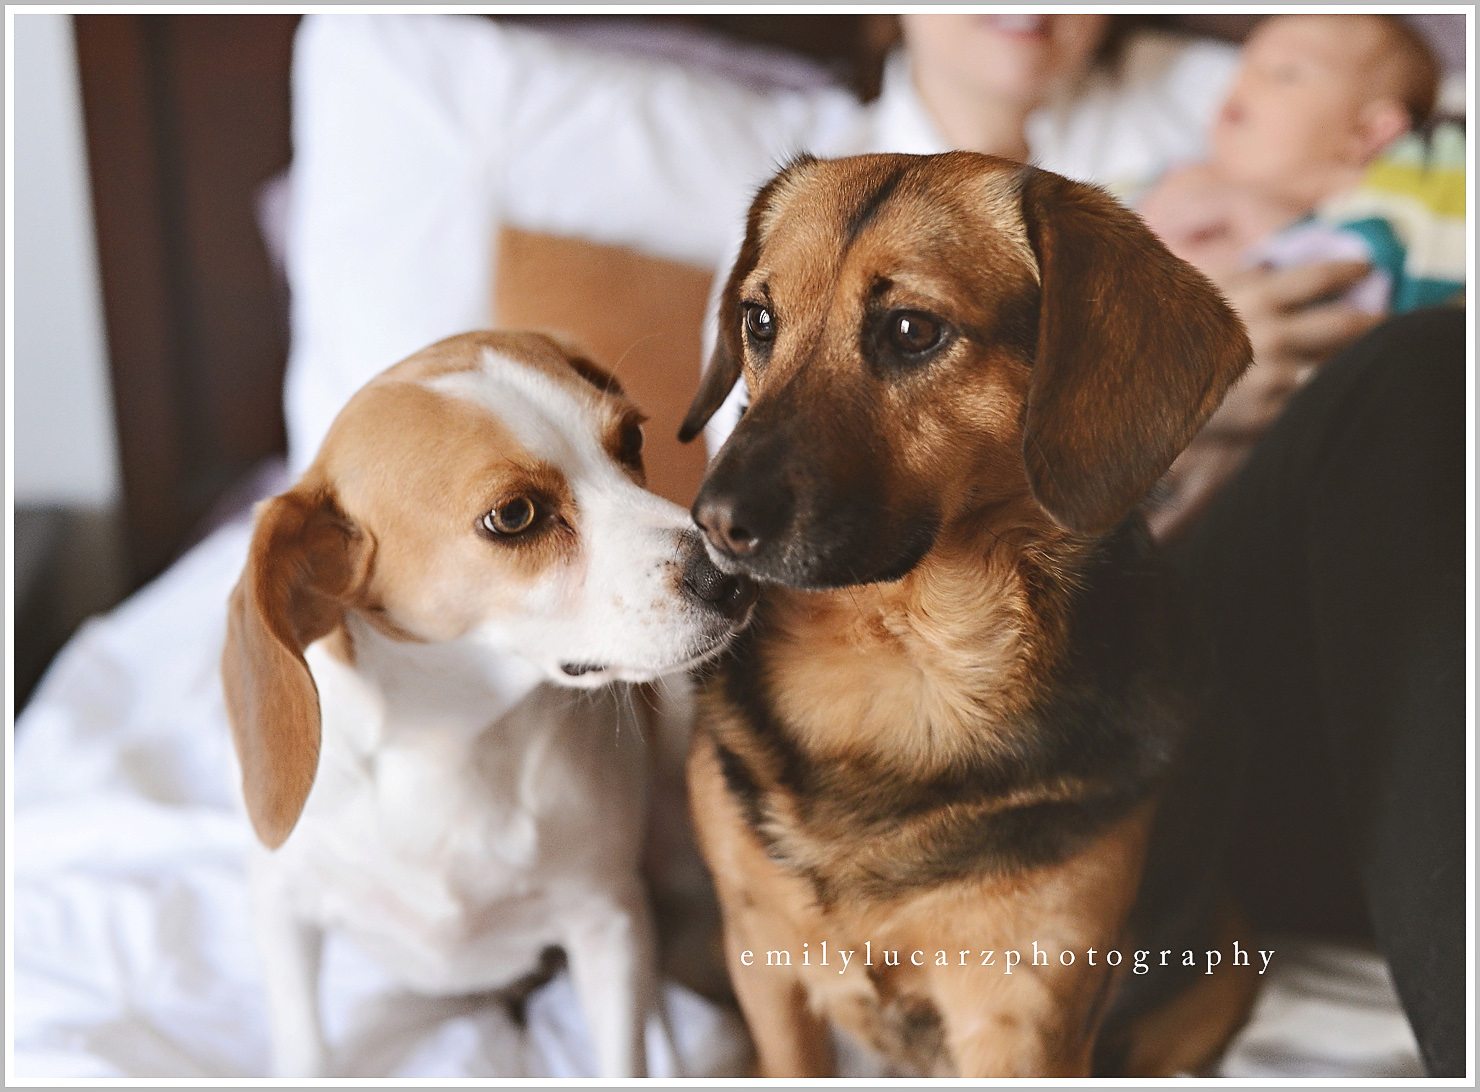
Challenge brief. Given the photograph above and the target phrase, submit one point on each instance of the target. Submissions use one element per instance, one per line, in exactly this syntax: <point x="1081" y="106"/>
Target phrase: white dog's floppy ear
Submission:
<point x="305" y="563"/>
<point x="726" y="360"/>
<point x="1135" y="350"/>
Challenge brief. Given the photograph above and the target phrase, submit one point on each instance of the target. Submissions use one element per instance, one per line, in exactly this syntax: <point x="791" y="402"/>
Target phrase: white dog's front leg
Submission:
<point x="291" y="951"/>
<point x="613" y="962"/>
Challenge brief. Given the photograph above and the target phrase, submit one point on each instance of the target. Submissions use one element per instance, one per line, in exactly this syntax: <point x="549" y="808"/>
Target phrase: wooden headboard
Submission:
<point x="186" y="117"/>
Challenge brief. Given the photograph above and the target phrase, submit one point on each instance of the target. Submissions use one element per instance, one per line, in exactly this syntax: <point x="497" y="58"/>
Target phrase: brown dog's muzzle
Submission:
<point x="797" y="500"/>
<point x="743" y="514"/>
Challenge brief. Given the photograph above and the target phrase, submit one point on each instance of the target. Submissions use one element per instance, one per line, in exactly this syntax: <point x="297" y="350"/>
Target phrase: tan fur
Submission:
<point x="1188" y="1035"/>
<point x="1032" y="1023"/>
<point x="306" y="564"/>
<point x="916" y="667"/>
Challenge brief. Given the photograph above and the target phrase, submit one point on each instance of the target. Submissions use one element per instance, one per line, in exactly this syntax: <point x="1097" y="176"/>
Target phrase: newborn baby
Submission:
<point x="1316" y="98"/>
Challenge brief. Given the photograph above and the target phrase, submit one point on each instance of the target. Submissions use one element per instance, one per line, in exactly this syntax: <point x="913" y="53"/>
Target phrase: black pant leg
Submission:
<point x="1330" y="574"/>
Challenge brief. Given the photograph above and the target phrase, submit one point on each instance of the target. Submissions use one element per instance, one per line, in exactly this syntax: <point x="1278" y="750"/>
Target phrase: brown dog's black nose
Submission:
<point x="730" y="595"/>
<point x="726" y="527"/>
<point x="747" y="504"/>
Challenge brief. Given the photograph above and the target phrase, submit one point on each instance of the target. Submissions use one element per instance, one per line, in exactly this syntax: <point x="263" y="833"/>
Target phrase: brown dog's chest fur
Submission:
<point x="931" y="765"/>
<point x="926" y="725"/>
<point x="896" y="1009"/>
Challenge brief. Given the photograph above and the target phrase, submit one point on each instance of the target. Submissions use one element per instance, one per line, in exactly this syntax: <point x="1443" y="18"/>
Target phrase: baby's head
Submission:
<point x="1317" y="97"/>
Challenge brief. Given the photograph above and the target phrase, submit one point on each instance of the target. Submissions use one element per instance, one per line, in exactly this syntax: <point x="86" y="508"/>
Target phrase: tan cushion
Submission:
<point x="639" y="316"/>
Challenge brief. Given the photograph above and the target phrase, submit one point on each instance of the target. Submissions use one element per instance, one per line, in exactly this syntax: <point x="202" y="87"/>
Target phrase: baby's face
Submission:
<point x="1301" y="98"/>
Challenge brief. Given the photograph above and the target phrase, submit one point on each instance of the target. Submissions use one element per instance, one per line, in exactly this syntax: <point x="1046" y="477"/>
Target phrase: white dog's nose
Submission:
<point x="730" y="595"/>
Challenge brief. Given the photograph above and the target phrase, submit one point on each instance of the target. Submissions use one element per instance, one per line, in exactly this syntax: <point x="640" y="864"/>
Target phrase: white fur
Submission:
<point x="616" y="608"/>
<point x="456" y="839"/>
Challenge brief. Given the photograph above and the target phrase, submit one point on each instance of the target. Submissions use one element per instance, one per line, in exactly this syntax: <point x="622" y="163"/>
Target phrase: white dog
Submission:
<point x="473" y="521"/>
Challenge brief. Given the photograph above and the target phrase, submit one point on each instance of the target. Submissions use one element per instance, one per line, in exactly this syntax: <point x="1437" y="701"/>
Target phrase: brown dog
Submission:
<point x="950" y="728"/>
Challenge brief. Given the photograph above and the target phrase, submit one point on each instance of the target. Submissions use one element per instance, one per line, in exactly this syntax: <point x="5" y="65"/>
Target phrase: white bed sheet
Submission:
<point x="134" y="953"/>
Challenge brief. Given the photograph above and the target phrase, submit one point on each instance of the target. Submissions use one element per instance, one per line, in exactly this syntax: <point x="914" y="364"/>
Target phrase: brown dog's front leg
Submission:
<point x="1036" y="1024"/>
<point x="790" y="1039"/>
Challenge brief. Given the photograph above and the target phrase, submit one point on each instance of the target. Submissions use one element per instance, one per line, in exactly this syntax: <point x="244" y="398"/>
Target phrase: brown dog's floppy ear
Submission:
<point x="1135" y="351"/>
<point x="305" y="562"/>
<point x="725" y="361"/>
<point x="720" y="377"/>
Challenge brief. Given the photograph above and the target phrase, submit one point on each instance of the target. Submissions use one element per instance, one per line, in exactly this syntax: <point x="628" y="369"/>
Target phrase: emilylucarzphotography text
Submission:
<point x="1006" y="960"/>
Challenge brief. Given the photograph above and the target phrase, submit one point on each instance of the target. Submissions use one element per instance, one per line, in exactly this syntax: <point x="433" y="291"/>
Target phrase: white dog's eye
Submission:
<point x="629" y="450"/>
<point x="513" y="517"/>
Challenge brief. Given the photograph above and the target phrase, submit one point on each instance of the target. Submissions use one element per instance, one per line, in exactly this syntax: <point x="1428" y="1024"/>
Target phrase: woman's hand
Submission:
<point x="1296" y="322"/>
<point x="1197" y="475"/>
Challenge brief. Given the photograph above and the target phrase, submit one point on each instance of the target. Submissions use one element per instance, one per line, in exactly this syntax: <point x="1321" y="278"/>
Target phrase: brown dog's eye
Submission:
<point x="760" y="323"/>
<point x="513" y="517"/>
<point x="914" y="332"/>
<point x="901" y="342"/>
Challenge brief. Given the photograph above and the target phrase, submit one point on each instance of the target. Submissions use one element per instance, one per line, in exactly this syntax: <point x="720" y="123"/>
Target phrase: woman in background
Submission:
<point x="1330" y="569"/>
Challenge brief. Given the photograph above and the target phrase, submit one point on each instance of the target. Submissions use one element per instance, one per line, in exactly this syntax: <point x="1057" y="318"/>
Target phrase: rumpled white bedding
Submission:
<point x="134" y="953"/>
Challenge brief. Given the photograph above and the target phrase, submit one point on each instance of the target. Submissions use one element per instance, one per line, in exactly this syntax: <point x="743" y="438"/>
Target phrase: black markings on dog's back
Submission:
<point x="871" y="205"/>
